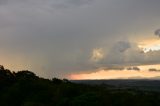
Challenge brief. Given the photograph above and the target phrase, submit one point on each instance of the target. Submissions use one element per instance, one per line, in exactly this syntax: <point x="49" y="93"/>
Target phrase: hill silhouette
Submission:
<point x="24" y="88"/>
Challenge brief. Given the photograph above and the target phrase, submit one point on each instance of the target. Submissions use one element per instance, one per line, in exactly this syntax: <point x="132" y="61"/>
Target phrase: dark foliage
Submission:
<point x="24" y="88"/>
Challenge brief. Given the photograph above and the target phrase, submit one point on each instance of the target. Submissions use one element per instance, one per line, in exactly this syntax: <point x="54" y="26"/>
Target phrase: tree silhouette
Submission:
<point x="24" y="88"/>
<point x="25" y="75"/>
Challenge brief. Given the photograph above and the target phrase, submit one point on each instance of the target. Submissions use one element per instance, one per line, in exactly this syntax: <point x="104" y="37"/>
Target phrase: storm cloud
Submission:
<point x="58" y="37"/>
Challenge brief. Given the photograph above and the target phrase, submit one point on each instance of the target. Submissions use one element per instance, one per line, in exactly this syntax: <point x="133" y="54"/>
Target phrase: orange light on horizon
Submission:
<point x="115" y="74"/>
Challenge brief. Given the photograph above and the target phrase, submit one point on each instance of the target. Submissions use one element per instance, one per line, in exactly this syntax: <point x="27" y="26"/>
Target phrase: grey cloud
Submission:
<point x="122" y="46"/>
<point x="79" y="2"/>
<point x="118" y="54"/>
<point x="114" y="68"/>
<point x="39" y="36"/>
<point x="129" y="68"/>
<point x="121" y="68"/>
<point x="70" y="3"/>
<point x="2" y="2"/>
<point x="132" y="57"/>
<point x="154" y="70"/>
<point x="134" y="68"/>
<point x="157" y="32"/>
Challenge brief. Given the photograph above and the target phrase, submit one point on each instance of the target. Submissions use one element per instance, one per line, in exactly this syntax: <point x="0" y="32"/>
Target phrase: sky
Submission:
<point x="81" y="39"/>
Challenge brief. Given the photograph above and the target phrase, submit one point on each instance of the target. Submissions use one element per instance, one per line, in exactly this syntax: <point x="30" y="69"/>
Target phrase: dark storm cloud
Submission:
<point x="57" y="37"/>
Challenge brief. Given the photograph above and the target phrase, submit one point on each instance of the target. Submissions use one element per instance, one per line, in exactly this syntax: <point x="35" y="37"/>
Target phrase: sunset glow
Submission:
<point x="120" y="74"/>
<point x="115" y="75"/>
<point x="150" y="45"/>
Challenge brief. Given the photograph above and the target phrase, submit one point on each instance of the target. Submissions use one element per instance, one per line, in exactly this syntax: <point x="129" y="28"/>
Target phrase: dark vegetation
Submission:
<point x="24" y="88"/>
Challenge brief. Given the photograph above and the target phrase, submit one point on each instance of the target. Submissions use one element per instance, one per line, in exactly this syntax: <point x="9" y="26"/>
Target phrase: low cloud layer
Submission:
<point x="134" y="68"/>
<point x="153" y="70"/>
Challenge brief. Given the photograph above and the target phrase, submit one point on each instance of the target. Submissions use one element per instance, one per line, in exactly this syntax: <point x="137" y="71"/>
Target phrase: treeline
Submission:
<point x="24" y="88"/>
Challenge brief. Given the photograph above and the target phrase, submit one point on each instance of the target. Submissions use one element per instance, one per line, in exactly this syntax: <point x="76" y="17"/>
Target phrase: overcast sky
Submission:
<point x="63" y="37"/>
